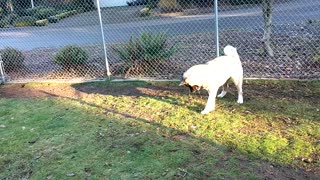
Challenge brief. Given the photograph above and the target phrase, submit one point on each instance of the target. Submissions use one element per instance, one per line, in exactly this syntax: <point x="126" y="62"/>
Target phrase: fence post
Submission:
<point x="1" y="70"/>
<point x="103" y="40"/>
<point x="216" y="26"/>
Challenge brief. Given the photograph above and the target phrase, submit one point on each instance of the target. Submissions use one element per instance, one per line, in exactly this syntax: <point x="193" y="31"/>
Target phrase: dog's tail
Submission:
<point x="231" y="51"/>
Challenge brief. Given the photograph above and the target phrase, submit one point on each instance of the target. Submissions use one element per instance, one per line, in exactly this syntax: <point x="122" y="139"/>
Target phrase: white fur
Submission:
<point x="215" y="73"/>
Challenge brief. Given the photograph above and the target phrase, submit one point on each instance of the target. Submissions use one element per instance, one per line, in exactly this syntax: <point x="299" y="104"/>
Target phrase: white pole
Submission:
<point x="2" y="70"/>
<point x="216" y="25"/>
<point x="103" y="40"/>
<point x="32" y="4"/>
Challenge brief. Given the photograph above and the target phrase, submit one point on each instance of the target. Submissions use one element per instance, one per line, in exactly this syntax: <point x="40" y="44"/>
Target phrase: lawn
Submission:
<point x="154" y="130"/>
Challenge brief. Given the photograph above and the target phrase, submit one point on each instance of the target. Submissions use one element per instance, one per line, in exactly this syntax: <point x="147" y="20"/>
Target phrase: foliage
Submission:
<point x="239" y="2"/>
<point x="145" y="12"/>
<point x="70" y="56"/>
<point x="53" y="19"/>
<point x="168" y="5"/>
<point x="197" y="3"/>
<point x="43" y="13"/>
<point x="7" y="20"/>
<point x="151" y="4"/>
<point x="145" y="53"/>
<point x="25" y="21"/>
<point x="66" y="14"/>
<point x="12" y="58"/>
<point x="316" y="53"/>
<point x="4" y="22"/>
<point x="42" y="22"/>
<point x="84" y="5"/>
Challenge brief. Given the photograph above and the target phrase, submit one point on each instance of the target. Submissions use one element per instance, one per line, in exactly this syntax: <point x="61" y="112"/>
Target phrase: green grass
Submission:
<point x="161" y="136"/>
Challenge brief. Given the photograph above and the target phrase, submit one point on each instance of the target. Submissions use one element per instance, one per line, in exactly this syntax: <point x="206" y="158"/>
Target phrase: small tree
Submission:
<point x="267" y="16"/>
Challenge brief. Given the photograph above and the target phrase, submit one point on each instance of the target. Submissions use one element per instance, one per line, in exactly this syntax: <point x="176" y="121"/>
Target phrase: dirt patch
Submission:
<point x="298" y="91"/>
<point x="84" y="90"/>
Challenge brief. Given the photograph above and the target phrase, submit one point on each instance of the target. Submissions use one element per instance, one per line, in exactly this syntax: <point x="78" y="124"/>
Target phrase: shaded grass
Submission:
<point x="128" y="136"/>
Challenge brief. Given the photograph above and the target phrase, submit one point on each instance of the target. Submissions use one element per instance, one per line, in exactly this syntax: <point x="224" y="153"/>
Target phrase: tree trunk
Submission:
<point x="267" y="16"/>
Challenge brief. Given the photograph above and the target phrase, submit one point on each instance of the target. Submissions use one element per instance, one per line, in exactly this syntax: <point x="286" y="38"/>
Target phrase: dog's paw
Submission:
<point x="240" y="101"/>
<point x="205" y="111"/>
<point x="222" y="94"/>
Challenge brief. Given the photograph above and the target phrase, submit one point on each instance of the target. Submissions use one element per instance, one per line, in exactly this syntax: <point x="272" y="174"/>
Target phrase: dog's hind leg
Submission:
<point x="238" y="80"/>
<point x="224" y="91"/>
<point x="211" y="103"/>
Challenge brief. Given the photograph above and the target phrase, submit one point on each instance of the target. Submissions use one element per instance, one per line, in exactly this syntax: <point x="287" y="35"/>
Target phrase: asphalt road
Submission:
<point x="295" y="11"/>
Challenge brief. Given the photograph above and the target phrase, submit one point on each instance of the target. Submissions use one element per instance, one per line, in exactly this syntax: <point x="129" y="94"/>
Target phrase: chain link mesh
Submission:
<point x="61" y="39"/>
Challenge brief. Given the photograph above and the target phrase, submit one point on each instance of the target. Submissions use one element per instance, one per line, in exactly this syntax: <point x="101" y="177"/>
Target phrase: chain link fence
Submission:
<point x="160" y="39"/>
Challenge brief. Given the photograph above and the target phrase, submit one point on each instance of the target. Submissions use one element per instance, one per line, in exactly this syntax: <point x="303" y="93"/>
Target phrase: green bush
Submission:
<point x="12" y="58"/>
<point x="240" y="2"/>
<point x="1" y="11"/>
<point x="4" y="23"/>
<point x="42" y="22"/>
<point x="12" y="17"/>
<point x="85" y="5"/>
<point x="32" y="11"/>
<point x="66" y="14"/>
<point x="71" y="56"/>
<point x="145" y="53"/>
<point x="316" y="56"/>
<point x="53" y="19"/>
<point x="8" y="20"/>
<point x="43" y="13"/>
<point x="25" y="21"/>
<point x="145" y="12"/>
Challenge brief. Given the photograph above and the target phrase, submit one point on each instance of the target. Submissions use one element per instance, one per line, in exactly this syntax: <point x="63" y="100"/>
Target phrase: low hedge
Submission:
<point x="25" y="21"/>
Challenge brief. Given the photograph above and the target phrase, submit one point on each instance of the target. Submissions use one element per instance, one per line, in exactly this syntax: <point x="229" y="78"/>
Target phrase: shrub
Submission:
<point x="240" y="2"/>
<point x="86" y="5"/>
<point x="32" y="11"/>
<point x="145" y="12"/>
<point x="4" y="22"/>
<point x="25" y="21"/>
<point x="316" y="56"/>
<point x="53" y="19"/>
<point x="12" y="17"/>
<point x="168" y="5"/>
<point x="66" y="14"/>
<point x="12" y="58"/>
<point x="8" y="20"/>
<point x="1" y="11"/>
<point x="43" y="13"/>
<point x="42" y="22"/>
<point x="71" y="56"/>
<point x="145" y="53"/>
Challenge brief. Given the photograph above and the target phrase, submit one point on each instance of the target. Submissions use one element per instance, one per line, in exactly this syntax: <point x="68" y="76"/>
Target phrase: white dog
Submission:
<point x="215" y="73"/>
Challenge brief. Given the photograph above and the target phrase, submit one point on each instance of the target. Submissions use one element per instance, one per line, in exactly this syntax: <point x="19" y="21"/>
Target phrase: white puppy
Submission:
<point x="215" y="73"/>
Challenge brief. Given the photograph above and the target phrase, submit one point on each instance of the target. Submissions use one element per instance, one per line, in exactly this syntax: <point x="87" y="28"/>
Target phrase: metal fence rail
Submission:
<point x="57" y="39"/>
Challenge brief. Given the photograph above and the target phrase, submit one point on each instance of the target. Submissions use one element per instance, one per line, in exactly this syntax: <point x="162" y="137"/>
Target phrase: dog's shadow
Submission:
<point x="165" y="93"/>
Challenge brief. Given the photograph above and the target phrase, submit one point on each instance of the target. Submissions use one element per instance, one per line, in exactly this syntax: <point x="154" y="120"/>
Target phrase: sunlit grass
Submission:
<point x="125" y="137"/>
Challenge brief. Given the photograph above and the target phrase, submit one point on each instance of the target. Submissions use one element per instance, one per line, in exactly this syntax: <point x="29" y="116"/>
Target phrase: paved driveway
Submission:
<point x="84" y="29"/>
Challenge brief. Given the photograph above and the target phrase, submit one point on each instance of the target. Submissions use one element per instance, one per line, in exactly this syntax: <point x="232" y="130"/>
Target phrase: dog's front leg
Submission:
<point x="211" y="103"/>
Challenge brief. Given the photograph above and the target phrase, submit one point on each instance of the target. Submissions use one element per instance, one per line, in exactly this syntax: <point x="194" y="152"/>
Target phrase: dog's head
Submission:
<point x="193" y="88"/>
